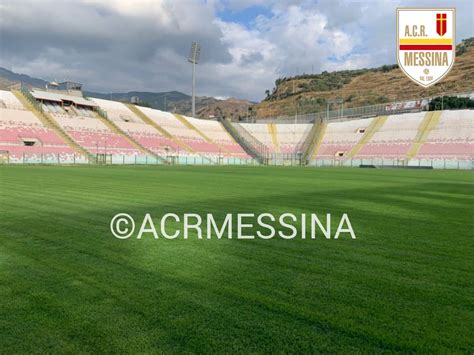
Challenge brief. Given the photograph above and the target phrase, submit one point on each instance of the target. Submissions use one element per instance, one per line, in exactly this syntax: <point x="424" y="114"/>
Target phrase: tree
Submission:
<point x="218" y="113"/>
<point x="450" y="102"/>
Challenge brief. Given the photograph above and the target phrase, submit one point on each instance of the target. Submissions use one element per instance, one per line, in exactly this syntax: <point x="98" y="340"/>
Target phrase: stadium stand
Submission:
<point x="200" y="142"/>
<point x="394" y="138"/>
<point x="421" y="135"/>
<point x="186" y="142"/>
<point x="313" y="140"/>
<point x="279" y="138"/>
<point x="341" y="137"/>
<point x="216" y="132"/>
<point x="261" y="133"/>
<point x="8" y="100"/>
<point x="277" y="143"/>
<point x="186" y="133"/>
<point x="77" y="117"/>
<point x="52" y="126"/>
<point x="291" y="136"/>
<point x="451" y="138"/>
<point x="135" y="127"/>
<point x="24" y="137"/>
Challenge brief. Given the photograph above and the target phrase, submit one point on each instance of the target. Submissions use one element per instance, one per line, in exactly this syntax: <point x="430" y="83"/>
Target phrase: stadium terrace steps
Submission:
<point x="272" y="129"/>
<point x="118" y="131"/>
<point x="232" y="139"/>
<point x="315" y="138"/>
<point x="192" y="127"/>
<point x="259" y="132"/>
<point x="49" y="122"/>
<point x="249" y="143"/>
<point x="171" y="133"/>
<point x="308" y="144"/>
<point x="188" y="124"/>
<point x="369" y="133"/>
<point x="430" y="121"/>
<point x="160" y="129"/>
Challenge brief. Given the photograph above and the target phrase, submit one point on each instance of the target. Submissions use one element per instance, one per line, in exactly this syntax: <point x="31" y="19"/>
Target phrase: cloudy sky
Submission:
<point x="125" y="45"/>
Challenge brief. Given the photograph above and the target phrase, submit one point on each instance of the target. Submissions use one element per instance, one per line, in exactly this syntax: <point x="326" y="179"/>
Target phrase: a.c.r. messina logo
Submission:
<point x="426" y="43"/>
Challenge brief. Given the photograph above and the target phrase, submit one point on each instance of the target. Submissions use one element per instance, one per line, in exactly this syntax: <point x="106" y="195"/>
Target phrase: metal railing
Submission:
<point x="27" y="94"/>
<point x="116" y="159"/>
<point x="274" y="159"/>
<point x="440" y="163"/>
<point x="101" y="112"/>
<point x="392" y="108"/>
<point x="250" y="144"/>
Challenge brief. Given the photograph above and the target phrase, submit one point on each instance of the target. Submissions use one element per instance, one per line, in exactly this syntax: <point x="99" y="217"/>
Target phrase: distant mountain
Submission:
<point x="173" y="101"/>
<point x="8" y="77"/>
<point x="158" y="100"/>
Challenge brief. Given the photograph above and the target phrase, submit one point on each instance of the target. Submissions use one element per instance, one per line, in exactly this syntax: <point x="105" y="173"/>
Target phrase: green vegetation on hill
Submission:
<point x="450" y="102"/>
<point x="327" y="81"/>
<point x="463" y="47"/>
<point x="312" y="93"/>
<point x="68" y="286"/>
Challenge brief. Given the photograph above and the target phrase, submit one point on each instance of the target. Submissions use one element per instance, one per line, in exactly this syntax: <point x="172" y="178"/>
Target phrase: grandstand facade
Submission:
<point x="46" y="126"/>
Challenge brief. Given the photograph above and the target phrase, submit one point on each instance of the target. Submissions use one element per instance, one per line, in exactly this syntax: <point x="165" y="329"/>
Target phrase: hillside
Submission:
<point x="231" y="108"/>
<point x="158" y="100"/>
<point x="173" y="101"/>
<point x="8" y="78"/>
<point x="362" y="87"/>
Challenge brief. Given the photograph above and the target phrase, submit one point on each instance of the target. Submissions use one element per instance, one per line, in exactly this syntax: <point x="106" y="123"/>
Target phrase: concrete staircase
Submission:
<point x="160" y="129"/>
<point x="369" y="133"/>
<point x="249" y="143"/>
<point x="102" y="116"/>
<point x="48" y="121"/>
<point x="272" y="129"/>
<point x="318" y="139"/>
<point x="189" y="125"/>
<point x="163" y="131"/>
<point x="430" y="121"/>
<point x="313" y="141"/>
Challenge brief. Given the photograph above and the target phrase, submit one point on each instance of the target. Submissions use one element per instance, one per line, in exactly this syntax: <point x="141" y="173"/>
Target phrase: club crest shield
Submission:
<point x="426" y="43"/>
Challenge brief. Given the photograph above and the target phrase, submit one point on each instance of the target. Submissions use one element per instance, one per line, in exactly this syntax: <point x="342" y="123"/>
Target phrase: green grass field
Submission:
<point x="406" y="284"/>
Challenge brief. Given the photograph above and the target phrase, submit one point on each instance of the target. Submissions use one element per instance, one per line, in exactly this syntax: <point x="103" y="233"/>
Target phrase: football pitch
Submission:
<point x="406" y="284"/>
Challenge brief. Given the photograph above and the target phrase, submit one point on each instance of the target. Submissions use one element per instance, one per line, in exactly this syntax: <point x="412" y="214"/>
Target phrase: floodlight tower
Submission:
<point x="193" y="59"/>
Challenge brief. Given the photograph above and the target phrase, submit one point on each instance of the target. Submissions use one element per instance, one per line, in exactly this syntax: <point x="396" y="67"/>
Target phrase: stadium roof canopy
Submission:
<point x="50" y="96"/>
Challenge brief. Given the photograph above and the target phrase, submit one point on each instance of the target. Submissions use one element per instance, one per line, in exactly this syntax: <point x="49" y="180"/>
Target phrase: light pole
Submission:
<point x="193" y="59"/>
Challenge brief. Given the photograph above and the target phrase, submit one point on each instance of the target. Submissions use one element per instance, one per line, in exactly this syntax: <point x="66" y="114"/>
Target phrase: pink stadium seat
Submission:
<point x="156" y="143"/>
<point x="235" y="150"/>
<point x="104" y="142"/>
<point x="43" y="135"/>
<point x="460" y="150"/>
<point x="381" y="150"/>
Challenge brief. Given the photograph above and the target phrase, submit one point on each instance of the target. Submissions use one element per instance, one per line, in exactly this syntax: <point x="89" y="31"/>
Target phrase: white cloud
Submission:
<point x="124" y="45"/>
